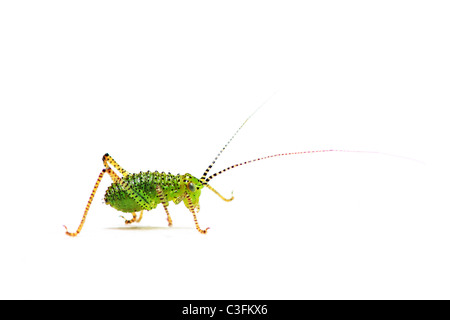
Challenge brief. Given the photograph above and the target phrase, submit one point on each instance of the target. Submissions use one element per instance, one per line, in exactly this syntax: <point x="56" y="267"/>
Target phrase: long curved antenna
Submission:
<point x="202" y="179"/>
<point x="290" y="154"/>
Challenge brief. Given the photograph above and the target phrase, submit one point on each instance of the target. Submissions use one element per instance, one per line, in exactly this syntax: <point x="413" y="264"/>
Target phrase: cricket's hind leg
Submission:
<point x="115" y="178"/>
<point x="86" y="210"/>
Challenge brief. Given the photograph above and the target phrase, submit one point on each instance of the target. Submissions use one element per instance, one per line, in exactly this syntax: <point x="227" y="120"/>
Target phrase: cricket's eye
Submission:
<point x="191" y="186"/>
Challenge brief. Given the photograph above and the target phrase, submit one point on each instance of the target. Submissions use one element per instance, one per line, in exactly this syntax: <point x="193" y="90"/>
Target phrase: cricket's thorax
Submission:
<point x="144" y="183"/>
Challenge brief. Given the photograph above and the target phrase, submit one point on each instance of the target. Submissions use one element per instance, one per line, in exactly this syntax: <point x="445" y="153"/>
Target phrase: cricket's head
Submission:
<point x="193" y="188"/>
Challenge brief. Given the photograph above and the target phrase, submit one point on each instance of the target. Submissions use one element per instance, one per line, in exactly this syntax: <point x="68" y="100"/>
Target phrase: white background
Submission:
<point x="164" y="85"/>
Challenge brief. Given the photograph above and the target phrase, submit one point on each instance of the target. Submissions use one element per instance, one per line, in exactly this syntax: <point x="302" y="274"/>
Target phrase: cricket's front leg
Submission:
<point x="192" y="210"/>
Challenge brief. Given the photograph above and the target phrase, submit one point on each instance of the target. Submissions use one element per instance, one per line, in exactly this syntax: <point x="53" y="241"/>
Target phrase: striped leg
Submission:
<point x="97" y="183"/>
<point x="140" y="217"/>
<point x="135" y="218"/>
<point x="107" y="158"/>
<point x="164" y="202"/>
<point x="192" y="209"/>
<point x="136" y="196"/>
<point x="132" y="220"/>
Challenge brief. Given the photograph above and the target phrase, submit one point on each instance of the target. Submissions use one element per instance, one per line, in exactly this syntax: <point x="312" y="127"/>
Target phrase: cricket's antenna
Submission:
<point x="291" y="154"/>
<point x="202" y="179"/>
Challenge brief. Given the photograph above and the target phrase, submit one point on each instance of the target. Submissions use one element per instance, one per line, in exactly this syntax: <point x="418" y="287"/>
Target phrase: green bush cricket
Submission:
<point x="138" y="192"/>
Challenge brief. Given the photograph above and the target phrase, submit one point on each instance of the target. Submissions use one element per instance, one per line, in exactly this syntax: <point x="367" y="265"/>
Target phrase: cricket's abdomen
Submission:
<point x="143" y="183"/>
